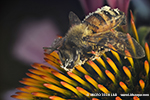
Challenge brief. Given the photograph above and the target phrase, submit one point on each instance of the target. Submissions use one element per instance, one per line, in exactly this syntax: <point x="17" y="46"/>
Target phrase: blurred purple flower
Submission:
<point x="121" y="4"/>
<point x="32" y="37"/>
<point x="7" y="95"/>
<point x="92" y="5"/>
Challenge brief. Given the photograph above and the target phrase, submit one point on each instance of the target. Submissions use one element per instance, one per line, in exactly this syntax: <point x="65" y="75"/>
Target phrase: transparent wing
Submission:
<point x="55" y="45"/>
<point x="73" y="18"/>
<point x="119" y="42"/>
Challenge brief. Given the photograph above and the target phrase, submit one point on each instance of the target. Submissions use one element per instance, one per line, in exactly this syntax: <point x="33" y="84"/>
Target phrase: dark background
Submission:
<point x="13" y="13"/>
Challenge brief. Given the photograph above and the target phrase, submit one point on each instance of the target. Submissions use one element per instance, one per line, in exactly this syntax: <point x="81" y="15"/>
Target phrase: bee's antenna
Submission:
<point x="47" y="48"/>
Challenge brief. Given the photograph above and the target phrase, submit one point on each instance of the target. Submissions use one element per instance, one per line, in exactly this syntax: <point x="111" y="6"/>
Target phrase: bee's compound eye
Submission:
<point x="69" y="58"/>
<point x="62" y="57"/>
<point x="60" y="54"/>
<point x="70" y="65"/>
<point x="76" y="57"/>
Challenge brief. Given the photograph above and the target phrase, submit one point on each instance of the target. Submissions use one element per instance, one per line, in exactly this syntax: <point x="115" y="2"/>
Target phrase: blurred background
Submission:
<point x="26" y="26"/>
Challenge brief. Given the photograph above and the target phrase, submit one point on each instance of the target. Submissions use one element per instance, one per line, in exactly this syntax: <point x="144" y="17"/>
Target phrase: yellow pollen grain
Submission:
<point x="38" y="72"/>
<point x="56" y="88"/>
<point x="110" y="46"/>
<point x="52" y="63"/>
<point x="142" y="84"/>
<point x="42" y="95"/>
<point x="56" y="98"/>
<point x="129" y="57"/>
<point x="91" y="80"/>
<point x="23" y="96"/>
<point x="30" y="83"/>
<point x="23" y="89"/>
<point x="38" y="66"/>
<point x="70" y="88"/>
<point x="116" y="55"/>
<point x="54" y="54"/>
<point x="31" y="80"/>
<point x="77" y="78"/>
<point x="96" y="68"/>
<point x="95" y="99"/>
<point x="48" y="69"/>
<point x="131" y="43"/>
<point x="49" y="79"/>
<point x="50" y="57"/>
<point x="127" y="71"/>
<point x="34" y="76"/>
<point x="102" y="88"/>
<point x="118" y="98"/>
<point x="132" y="17"/>
<point x="81" y="69"/>
<point x="147" y="50"/>
<point x="84" y="92"/>
<point x="100" y="60"/>
<point x="35" y="89"/>
<point x="134" y="30"/>
<point x="136" y="98"/>
<point x="64" y="78"/>
<point x="113" y="66"/>
<point x="146" y="66"/>
<point x="111" y="76"/>
<point x="124" y="87"/>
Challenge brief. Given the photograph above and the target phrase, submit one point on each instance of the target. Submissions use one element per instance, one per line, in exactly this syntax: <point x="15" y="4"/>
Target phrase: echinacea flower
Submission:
<point x="110" y="77"/>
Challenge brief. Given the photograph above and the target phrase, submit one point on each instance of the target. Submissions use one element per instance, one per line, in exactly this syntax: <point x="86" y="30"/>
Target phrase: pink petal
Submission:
<point x="91" y="5"/>
<point x="121" y="4"/>
<point x="112" y="3"/>
<point x="7" y="94"/>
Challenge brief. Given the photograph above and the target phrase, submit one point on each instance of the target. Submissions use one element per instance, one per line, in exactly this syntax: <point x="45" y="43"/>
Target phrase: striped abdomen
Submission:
<point x="104" y="19"/>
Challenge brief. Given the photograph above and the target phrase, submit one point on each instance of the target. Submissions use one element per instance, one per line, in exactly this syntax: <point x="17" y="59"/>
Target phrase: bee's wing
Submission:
<point x="55" y="45"/>
<point x="73" y="18"/>
<point x="119" y="42"/>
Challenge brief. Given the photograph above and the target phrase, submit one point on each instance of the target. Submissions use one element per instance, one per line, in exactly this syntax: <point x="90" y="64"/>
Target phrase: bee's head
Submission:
<point x="69" y="58"/>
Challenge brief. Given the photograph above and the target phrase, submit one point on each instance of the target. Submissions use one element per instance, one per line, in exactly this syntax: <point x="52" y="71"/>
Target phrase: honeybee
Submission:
<point x="93" y="37"/>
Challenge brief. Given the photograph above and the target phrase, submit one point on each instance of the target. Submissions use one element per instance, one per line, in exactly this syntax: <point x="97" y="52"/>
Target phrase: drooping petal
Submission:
<point x="33" y="36"/>
<point x="120" y="4"/>
<point x="91" y="5"/>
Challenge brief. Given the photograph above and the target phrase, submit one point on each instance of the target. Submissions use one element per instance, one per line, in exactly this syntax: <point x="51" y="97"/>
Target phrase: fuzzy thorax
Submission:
<point x="77" y="33"/>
